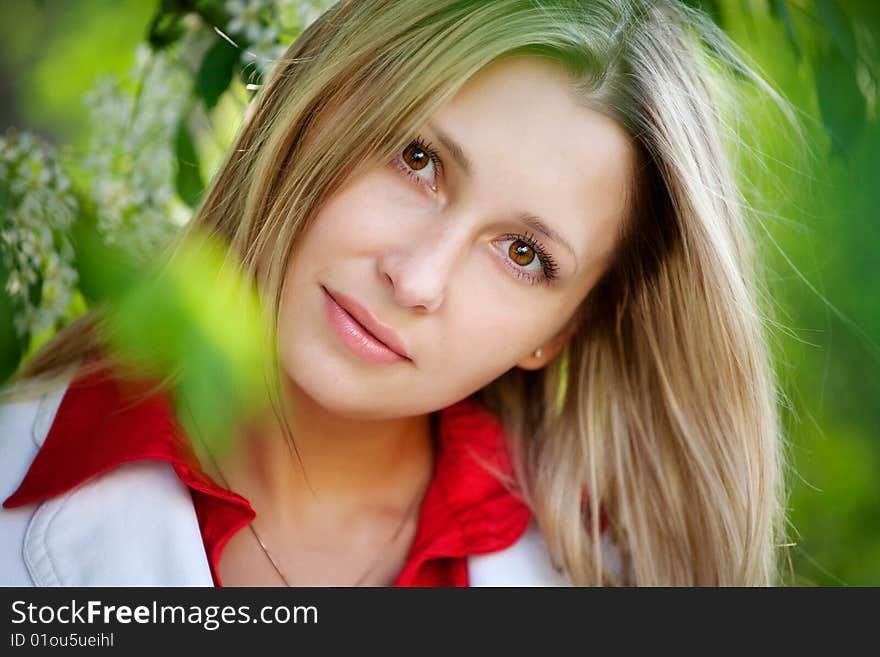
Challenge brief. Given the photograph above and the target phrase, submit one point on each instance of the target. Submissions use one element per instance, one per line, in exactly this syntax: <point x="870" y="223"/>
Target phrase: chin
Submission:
<point x="335" y="392"/>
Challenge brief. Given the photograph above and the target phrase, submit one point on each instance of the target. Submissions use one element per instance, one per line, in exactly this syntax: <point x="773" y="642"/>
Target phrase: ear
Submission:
<point x="550" y="349"/>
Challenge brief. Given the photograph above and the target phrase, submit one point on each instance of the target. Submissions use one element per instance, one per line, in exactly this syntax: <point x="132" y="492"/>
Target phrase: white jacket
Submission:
<point x="135" y="525"/>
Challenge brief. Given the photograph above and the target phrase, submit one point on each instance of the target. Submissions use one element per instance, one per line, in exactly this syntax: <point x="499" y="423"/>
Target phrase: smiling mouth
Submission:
<point x="356" y="335"/>
<point x="366" y="330"/>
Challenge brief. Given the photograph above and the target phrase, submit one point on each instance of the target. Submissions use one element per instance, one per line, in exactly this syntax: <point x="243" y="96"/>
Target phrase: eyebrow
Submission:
<point x="528" y="218"/>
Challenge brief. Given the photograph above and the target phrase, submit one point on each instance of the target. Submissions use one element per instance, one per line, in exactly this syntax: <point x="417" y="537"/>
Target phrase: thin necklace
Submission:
<point x="274" y="563"/>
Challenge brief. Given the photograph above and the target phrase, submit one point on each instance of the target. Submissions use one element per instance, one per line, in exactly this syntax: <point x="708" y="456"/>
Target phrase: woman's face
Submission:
<point x="441" y="248"/>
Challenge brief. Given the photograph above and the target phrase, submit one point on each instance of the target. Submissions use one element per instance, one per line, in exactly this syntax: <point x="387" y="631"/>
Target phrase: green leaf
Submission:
<point x="779" y="9"/>
<point x="201" y="319"/>
<point x="105" y="272"/>
<point x="189" y="177"/>
<point x="215" y="72"/>
<point x="166" y="27"/>
<point x="839" y="27"/>
<point x="840" y="101"/>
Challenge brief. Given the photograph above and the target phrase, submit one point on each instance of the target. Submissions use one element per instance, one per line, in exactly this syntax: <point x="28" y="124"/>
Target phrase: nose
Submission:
<point x="418" y="272"/>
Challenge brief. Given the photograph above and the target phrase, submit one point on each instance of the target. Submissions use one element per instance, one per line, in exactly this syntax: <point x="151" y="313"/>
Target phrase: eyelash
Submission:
<point x="548" y="264"/>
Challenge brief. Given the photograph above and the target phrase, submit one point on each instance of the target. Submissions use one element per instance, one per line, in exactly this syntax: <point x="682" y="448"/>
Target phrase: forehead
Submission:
<point x="534" y="146"/>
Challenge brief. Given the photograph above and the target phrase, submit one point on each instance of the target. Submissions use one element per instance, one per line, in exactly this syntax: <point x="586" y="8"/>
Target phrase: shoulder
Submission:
<point x="27" y="410"/>
<point x="528" y="563"/>
<point x="525" y="563"/>
<point x="26" y="414"/>
<point x="134" y="524"/>
<point x="32" y="404"/>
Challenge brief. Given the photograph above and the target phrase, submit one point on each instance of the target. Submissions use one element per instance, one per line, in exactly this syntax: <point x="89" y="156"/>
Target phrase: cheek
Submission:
<point x="474" y="355"/>
<point x="357" y="218"/>
<point x="493" y="339"/>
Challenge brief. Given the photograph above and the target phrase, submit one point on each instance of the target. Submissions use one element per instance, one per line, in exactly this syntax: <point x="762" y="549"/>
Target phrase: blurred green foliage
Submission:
<point x="822" y="203"/>
<point x="194" y="318"/>
<point x="52" y="53"/>
<point x="816" y="194"/>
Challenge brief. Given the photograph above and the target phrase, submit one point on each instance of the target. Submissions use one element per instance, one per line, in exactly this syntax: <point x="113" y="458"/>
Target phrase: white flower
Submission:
<point x="247" y="18"/>
<point x="131" y="155"/>
<point x="309" y="10"/>
<point x="34" y="235"/>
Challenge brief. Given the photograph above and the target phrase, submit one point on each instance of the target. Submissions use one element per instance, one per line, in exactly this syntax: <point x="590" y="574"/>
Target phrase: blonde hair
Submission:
<point x="660" y="414"/>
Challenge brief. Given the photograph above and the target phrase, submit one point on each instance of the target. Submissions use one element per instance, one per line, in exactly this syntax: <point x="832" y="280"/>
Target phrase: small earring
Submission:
<point x="538" y="352"/>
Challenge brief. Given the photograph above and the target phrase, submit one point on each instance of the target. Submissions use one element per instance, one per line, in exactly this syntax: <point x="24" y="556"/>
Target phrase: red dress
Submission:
<point x="466" y="509"/>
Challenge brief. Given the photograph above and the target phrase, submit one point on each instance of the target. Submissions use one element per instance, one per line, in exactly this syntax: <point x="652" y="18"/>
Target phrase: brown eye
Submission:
<point x="525" y="251"/>
<point x="416" y="157"/>
<point x="521" y="253"/>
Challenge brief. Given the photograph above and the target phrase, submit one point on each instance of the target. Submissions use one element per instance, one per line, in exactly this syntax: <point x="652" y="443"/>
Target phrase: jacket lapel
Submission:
<point x="132" y="526"/>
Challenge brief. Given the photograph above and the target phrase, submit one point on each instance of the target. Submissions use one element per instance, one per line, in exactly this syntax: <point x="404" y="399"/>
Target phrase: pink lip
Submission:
<point x="361" y="331"/>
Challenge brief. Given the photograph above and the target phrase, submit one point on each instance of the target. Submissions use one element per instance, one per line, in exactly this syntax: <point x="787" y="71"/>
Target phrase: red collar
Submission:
<point x="466" y="509"/>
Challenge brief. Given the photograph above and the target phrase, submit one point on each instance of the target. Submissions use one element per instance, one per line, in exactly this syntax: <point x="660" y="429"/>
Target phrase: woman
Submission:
<point x="502" y="230"/>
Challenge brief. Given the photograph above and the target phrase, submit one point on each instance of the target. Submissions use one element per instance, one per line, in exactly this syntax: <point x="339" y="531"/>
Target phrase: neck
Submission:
<point x="337" y="465"/>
